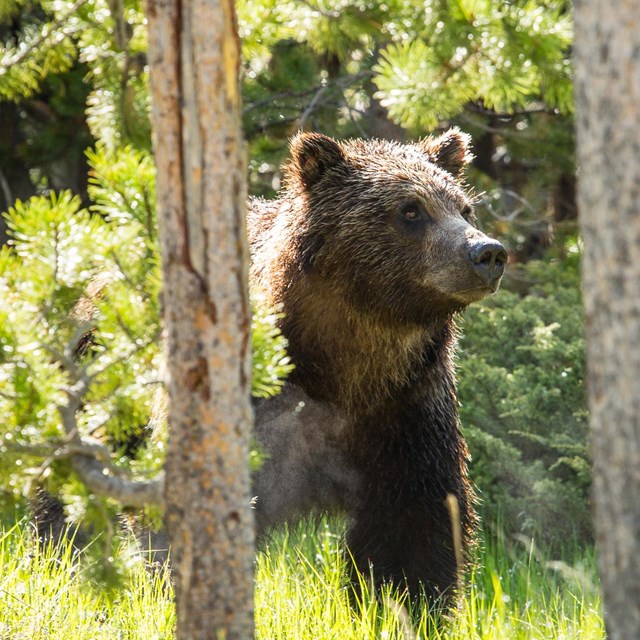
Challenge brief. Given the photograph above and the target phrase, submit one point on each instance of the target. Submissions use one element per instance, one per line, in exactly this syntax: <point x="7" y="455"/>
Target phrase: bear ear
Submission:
<point x="312" y="154"/>
<point x="451" y="150"/>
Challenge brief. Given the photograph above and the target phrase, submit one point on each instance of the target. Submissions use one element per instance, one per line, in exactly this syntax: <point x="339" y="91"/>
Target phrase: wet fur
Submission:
<point x="367" y="424"/>
<point x="368" y="421"/>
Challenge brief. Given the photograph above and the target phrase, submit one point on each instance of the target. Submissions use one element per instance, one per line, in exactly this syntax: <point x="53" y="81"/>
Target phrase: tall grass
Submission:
<point x="46" y="593"/>
<point x="301" y="593"/>
<point x="515" y="593"/>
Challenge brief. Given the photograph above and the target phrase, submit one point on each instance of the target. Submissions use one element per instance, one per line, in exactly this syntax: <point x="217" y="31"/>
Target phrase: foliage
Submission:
<point x="347" y="69"/>
<point x="521" y="374"/>
<point x="111" y="43"/>
<point x="299" y="594"/>
<point x="68" y="69"/>
<point x="502" y="72"/>
<point x="502" y="56"/>
<point x="80" y="324"/>
<point x="41" y="49"/>
<point x="270" y="361"/>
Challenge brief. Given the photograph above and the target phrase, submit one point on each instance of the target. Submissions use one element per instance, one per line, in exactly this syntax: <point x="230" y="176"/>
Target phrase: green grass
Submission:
<point x="300" y="594"/>
<point x="514" y="594"/>
<point x="45" y="593"/>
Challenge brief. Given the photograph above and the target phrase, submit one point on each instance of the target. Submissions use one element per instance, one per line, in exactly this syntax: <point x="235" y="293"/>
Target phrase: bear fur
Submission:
<point x="370" y="251"/>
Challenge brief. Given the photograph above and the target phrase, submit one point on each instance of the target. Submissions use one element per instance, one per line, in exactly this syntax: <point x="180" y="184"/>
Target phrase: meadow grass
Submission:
<point x="513" y="594"/>
<point x="46" y="593"/>
<point x="301" y="593"/>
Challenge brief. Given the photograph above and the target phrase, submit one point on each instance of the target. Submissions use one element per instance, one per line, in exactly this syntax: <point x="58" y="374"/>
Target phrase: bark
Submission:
<point x="608" y="127"/>
<point x="194" y="58"/>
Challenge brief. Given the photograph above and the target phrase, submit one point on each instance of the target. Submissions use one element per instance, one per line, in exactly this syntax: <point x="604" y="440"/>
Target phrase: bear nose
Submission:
<point x="488" y="260"/>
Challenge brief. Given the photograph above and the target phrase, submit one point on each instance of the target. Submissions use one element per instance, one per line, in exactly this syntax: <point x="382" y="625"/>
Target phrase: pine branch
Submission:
<point x="131" y="493"/>
<point x="93" y="463"/>
<point x="331" y="15"/>
<point x="47" y="31"/>
<point x="90" y="459"/>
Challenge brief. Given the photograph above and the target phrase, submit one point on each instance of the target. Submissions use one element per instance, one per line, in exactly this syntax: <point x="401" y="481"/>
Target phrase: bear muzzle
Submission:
<point x="488" y="258"/>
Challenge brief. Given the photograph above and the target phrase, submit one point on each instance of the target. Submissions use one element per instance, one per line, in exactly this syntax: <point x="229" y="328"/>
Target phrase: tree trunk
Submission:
<point x="608" y="126"/>
<point x="194" y="57"/>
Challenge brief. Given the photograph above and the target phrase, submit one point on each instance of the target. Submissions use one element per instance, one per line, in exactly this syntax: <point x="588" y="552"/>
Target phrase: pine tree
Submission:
<point x="396" y="68"/>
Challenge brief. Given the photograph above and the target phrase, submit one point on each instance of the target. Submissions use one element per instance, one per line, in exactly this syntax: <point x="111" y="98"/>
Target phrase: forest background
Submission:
<point x="77" y="178"/>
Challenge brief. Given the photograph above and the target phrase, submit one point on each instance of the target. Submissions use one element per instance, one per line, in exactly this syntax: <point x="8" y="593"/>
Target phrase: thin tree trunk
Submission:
<point x="608" y="126"/>
<point x="194" y="58"/>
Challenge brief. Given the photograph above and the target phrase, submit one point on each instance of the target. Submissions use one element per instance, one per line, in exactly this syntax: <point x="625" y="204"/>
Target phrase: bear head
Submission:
<point x="389" y="227"/>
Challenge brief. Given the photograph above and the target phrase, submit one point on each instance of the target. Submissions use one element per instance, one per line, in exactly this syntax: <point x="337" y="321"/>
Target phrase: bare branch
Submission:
<point x="132" y="493"/>
<point x="6" y="189"/>
<point x="312" y="105"/>
<point x="92" y="462"/>
<point x="321" y="95"/>
<point x="525" y="205"/>
<point x="272" y="100"/>
<point x="477" y="108"/>
<point x="58" y="450"/>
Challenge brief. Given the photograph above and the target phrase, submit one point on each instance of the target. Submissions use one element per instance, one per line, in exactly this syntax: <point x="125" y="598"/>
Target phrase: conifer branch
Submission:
<point x="90" y="459"/>
<point x="49" y="29"/>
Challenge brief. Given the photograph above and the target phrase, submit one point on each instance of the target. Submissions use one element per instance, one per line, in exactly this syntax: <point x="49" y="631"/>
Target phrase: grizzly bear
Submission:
<point x="370" y="251"/>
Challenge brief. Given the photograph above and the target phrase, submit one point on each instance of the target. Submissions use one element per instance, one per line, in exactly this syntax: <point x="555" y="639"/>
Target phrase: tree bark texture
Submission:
<point x="194" y="56"/>
<point x="607" y="62"/>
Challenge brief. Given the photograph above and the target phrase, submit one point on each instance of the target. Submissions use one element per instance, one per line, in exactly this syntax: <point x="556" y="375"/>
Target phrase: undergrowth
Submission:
<point x="301" y="593"/>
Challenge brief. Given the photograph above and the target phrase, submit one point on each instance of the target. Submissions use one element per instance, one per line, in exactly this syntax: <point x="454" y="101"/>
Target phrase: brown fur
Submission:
<point x="368" y="249"/>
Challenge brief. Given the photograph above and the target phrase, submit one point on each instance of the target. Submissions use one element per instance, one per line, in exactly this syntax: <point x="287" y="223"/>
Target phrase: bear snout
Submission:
<point x="488" y="258"/>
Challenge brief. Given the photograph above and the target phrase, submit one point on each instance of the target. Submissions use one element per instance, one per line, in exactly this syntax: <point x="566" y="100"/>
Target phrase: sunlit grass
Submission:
<point x="47" y="594"/>
<point x="301" y="593"/>
<point x="515" y="593"/>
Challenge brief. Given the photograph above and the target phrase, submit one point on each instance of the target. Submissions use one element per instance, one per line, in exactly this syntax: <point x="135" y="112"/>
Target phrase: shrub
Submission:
<point x="522" y="367"/>
<point x="81" y="358"/>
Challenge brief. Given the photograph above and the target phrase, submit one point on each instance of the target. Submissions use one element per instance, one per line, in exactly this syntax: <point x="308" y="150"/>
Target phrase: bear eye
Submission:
<point x="467" y="213"/>
<point x="413" y="212"/>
